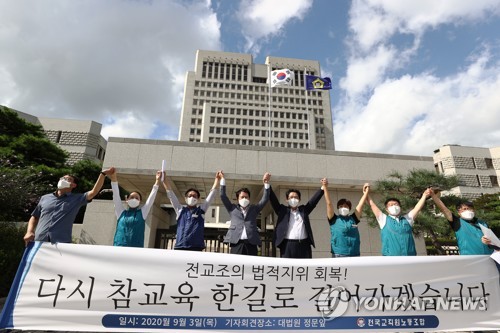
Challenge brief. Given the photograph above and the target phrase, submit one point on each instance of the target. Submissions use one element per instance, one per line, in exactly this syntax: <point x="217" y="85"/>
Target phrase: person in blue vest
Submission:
<point x="132" y="219"/>
<point x="485" y="240"/>
<point x="191" y="218"/>
<point x="466" y="227"/>
<point x="396" y="230"/>
<point x="345" y="241"/>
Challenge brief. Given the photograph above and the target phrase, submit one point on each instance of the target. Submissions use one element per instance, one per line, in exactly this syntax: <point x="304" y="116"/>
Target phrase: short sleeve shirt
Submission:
<point x="56" y="216"/>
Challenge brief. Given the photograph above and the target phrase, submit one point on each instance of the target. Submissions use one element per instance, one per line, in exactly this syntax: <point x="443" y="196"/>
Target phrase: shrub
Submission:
<point x="11" y="252"/>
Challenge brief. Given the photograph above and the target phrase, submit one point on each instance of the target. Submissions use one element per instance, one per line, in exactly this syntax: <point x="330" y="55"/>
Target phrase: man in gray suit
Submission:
<point x="243" y="234"/>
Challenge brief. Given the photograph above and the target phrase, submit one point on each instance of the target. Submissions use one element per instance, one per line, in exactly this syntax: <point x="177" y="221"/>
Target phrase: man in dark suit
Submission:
<point x="293" y="234"/>
<point x="243" y="235"/>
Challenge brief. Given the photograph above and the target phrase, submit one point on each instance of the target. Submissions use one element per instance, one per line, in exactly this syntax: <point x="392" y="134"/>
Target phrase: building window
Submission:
<point x="494" y="181"/>
<point x="204" y="70"/>
<point x="489" y="163"/>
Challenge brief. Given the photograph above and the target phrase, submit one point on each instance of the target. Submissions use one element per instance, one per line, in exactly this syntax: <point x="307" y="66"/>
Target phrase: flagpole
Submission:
<point x="307" y="111"/>
<point x="269" y="104"/>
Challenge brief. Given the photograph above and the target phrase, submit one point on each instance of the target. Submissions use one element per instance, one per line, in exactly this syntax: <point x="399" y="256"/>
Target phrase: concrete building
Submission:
<point x="226" y="101"/>
<point x="82" y="139"/>
<point x="478" y="169"/>
<point x="191" y="164"/>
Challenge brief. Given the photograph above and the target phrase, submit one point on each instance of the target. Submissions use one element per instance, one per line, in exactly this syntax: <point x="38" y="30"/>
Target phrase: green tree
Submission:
<point x="30" y="166"/>
<point x="408" y="189"/>
<point x="24" y="144"/>
<point x="11" y="252"/>
<point x="87" y="172"/>
<point x="487" y="208"/>
<point x="20" y="191"/>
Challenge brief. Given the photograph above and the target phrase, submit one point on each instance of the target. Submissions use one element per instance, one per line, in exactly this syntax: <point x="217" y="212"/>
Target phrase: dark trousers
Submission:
<point x="298" y="249"/>
<point x="244" y="247"/>
<point x="189" y="248"/>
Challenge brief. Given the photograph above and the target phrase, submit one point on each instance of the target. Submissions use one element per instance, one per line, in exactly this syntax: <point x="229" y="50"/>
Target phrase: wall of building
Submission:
<point x="227" y="100"/>
<point x="196" y="163"/>
<point x="478" y="169"/>
<point x="81" y="139"/>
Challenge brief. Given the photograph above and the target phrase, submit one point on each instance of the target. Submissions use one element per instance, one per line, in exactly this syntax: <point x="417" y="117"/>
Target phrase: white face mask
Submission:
<point x="467" y="215"/>
<point x="191" y="201"/>
<point x="344" y="211"/>
<point x="62" y="184"/>
<point x="394" y="210"/>
<point x="293" y="202"/>
<point x="244" y="202"/>
<point x="133" y="203"/>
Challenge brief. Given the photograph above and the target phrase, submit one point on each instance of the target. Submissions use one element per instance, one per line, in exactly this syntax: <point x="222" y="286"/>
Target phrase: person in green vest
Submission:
<point x="396" y="230"/>
<point x="345" y="240"/>
<point x="466" y="227"/>
<point x="131" y="220"/>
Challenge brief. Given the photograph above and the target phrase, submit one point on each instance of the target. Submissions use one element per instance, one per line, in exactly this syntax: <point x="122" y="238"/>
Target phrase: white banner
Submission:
<point x="74" y="287"/>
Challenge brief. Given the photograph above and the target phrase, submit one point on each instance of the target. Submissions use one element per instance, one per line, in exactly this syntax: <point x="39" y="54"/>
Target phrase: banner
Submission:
<point x="317" y="83"/>
<point x="282" y="77"/>
<point x="73" y="287"/>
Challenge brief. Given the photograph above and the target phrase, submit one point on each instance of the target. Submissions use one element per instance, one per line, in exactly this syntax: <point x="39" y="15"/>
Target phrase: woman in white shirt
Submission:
<point x="131" y="220"/>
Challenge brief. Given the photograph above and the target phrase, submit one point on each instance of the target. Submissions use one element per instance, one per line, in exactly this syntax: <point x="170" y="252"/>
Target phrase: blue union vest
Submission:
<point x="190" y="229"/>
<point x="130" y="229"/>
<point x="397" y="238"/>
<point x="469" y="238"/>
<point x="345" y="235"/>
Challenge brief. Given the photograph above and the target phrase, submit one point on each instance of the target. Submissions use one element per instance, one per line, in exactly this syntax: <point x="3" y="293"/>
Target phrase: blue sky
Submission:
<point x="408" y="76"/>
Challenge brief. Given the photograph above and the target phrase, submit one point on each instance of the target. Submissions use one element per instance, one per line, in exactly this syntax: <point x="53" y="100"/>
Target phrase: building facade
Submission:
<point x="478" y="169"/>
<point x="137" y="161"/>
<point x="81" y="139"/>
<point x="228" y="100"/>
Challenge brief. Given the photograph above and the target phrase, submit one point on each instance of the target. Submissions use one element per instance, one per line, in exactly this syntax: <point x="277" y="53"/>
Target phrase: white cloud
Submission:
<point x="365" y="72"/>
<point x="414" y="113"/>
<point x="373" y="55"/>
<point x="109" y="61"/>
<point x="128" y="124"/>
<point x="263" y="19"/>
<point x="417" y="114"/>
<point x="374" y="21"/>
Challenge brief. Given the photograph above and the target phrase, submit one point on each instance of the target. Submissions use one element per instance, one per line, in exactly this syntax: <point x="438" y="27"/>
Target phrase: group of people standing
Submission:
<point x="53" y="218"/>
